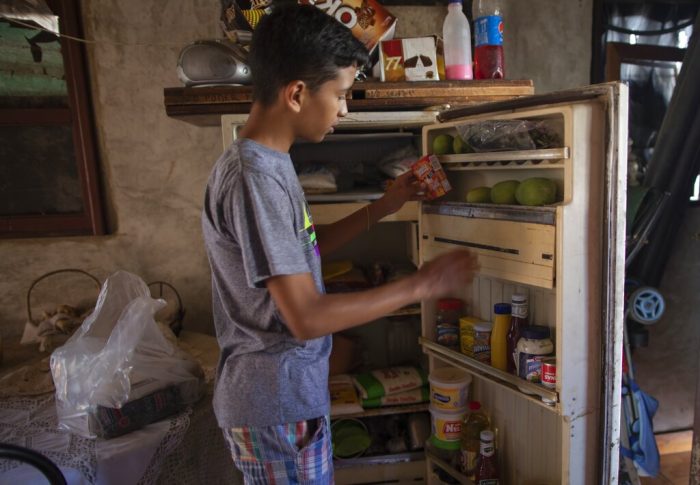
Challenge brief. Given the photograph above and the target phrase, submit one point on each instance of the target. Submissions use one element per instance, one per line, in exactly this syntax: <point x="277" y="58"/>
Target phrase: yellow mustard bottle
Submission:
<point x="499" y="334"/>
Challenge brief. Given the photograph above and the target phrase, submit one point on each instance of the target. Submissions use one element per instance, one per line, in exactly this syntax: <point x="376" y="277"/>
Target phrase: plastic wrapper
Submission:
<point x="119" y="372"/>
<point x="399" y="161"/>
<point x="508" y="135"/>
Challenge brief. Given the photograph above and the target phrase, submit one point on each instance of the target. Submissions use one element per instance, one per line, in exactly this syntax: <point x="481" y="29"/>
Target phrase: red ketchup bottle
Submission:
<point x="487" y="469"/>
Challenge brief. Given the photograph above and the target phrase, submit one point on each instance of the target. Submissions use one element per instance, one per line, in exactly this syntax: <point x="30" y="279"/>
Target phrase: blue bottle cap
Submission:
<point x="455" y="1"/>
<point x="535" y="332"/>
<point x="502" y="309"/>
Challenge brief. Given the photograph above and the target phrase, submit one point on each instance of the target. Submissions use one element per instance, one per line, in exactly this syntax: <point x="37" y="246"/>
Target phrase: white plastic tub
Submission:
<point x="449" y="388"/>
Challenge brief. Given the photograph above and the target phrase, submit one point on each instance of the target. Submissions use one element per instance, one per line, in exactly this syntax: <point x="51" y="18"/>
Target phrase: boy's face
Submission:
<point x="324" y="107"/>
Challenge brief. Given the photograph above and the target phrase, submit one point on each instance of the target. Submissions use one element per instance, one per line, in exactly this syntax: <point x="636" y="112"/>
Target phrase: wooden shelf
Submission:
<point x="524" y="389"/>
<point x="204" y="106"/>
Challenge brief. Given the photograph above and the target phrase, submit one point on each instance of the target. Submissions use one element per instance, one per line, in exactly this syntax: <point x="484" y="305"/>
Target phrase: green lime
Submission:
<point x="442" y="144"/>
<point x="504" y="192"/>
<point x="461" y="146"/>
<point x="536" y="191"/>
<point x="479" y="195"/>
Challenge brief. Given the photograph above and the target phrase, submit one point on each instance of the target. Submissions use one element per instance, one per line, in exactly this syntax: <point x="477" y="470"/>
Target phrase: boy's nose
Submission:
<point x="343" y="111"/>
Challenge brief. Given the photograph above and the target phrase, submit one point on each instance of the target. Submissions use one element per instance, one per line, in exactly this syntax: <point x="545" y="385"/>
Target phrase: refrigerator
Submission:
<point x="567" y="257"/>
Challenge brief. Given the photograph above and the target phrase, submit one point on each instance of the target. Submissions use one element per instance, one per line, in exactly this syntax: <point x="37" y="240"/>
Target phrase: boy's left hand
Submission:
<point x="404" y="188"/>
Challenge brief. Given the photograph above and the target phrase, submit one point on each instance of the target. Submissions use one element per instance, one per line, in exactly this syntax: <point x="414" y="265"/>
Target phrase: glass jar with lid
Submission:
<point x="534" y="345"/>
<point x="449" y="310"/>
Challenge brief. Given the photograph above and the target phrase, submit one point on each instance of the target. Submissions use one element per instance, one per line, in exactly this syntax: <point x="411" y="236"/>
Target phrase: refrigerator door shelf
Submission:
<point x="536" y="393"/>
<point x="528" y="159"/>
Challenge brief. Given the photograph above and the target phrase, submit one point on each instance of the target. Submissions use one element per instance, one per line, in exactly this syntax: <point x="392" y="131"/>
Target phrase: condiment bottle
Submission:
<point x="487" y="468"/>
<point x="499" y="345"/>
<point x="474" y="423"/>
<point x="518" y="320"/>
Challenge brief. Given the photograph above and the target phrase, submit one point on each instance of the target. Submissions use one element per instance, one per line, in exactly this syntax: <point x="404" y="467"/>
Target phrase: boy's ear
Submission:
<point x="294" y="94"/>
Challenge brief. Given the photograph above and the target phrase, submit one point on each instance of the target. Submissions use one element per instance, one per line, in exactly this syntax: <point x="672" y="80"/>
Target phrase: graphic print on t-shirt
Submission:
<point x="310" y="230"/>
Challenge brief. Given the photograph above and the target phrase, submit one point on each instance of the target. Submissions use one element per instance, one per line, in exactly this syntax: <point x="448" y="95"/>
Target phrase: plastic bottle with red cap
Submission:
<point x="489" y="61"/>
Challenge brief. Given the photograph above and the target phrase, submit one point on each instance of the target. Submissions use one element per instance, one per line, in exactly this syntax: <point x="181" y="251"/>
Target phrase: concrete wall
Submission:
<point x="548" y="42"/>
<point x="154" y="168"/>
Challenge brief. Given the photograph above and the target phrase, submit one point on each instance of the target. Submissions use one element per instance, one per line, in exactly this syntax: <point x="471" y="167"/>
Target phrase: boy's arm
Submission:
<point x="310" y="314"/>
<point x="336" y="235"/>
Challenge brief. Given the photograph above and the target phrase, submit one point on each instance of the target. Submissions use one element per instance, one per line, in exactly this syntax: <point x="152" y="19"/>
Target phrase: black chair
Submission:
<point x="37" y="460"/>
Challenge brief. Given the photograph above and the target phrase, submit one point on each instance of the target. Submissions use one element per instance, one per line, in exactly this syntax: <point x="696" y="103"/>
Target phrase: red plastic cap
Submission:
<point x="450" y="304"/>
<point x="474" y="405"/>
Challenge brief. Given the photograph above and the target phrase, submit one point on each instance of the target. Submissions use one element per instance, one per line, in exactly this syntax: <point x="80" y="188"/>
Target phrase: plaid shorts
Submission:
<point x="287" y="454"/>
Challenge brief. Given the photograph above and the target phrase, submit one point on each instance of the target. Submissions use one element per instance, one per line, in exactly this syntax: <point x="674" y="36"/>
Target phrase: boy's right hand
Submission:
<point x="446" y="274"/>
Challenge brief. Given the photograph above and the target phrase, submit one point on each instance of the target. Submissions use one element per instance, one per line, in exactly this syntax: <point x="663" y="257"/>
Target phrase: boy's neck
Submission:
<point x="269" y="126"/>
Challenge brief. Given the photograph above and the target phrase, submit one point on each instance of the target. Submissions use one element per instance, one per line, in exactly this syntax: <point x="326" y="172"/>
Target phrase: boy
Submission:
<point x="273" y="320"/>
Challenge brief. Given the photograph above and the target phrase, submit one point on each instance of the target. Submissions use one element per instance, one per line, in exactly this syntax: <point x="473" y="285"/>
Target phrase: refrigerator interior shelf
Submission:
<point x="360" y="137"/>
<point x="350" y="196"/>
<point x="385" y="411"/>
<point x="526" y="390"/>
<point x="545" y="158"/>
<point x="330" y="212"/>
<point x="448" y="468"/>
<point x="405" y="311"/>
<point x="409" y="456"/>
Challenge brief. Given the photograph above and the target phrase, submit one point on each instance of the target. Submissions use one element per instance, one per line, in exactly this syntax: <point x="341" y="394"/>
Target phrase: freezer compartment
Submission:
<point x="359" y="166"/>
<point x="513" y="243"/>
<point x="358" y="158"/>
<point x="515" y="157"/>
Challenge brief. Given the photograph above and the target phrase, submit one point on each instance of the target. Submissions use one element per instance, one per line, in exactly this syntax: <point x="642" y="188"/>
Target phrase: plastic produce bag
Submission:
<point x="505" y="135"/>
<point x="118" y="372"/>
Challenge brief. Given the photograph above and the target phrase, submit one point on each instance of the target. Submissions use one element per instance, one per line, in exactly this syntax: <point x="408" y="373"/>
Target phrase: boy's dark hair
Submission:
<point x="300" y="42"/>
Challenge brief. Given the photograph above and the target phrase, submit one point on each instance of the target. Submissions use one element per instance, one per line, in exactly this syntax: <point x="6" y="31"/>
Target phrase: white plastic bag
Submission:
<point x="118" y="371"/>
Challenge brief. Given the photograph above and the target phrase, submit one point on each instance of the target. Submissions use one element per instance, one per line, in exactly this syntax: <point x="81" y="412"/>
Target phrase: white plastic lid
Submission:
<point x="486" y="435"/>
<point x="449" y="376"/>
<point x="483" y="327"/>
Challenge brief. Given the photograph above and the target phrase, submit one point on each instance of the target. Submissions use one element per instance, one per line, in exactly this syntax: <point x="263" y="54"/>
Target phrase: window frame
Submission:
<point x="78" y="115"/>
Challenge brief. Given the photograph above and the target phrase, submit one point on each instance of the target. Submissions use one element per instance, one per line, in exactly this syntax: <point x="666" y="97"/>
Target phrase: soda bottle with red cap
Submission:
<point x="489" y="62"/>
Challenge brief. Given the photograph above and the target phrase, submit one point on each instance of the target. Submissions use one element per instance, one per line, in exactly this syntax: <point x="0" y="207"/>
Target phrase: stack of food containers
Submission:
<point x="449" y="396"/>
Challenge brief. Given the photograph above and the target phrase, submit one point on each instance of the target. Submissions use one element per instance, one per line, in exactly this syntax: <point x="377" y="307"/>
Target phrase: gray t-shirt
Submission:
<point x="257" y="224"/>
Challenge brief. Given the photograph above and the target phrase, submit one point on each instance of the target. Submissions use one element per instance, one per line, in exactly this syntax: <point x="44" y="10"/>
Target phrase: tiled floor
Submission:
<point x="675" y="459"/>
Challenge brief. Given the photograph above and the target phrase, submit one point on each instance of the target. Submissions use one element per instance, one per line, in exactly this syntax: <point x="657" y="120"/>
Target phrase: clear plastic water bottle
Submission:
<point x="456" y="37"/>
<point x="489" y="62"/>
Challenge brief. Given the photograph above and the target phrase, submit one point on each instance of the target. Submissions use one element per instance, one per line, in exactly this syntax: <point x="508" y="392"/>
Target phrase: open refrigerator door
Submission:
<point x="566" y="254"/>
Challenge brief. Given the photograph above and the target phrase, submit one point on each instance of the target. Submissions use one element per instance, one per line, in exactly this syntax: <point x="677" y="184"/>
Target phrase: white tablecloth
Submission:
<point x="187" y="448"/>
